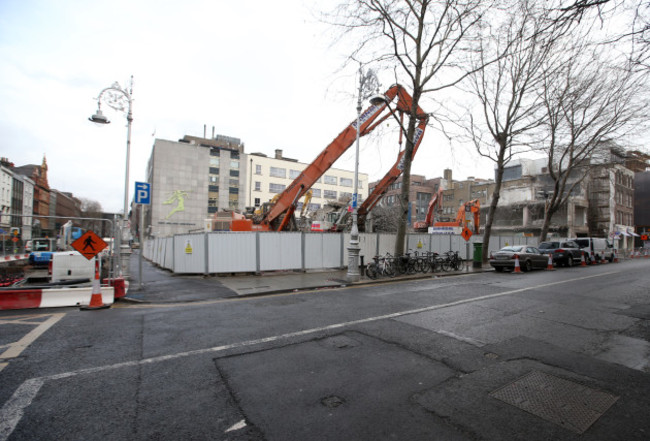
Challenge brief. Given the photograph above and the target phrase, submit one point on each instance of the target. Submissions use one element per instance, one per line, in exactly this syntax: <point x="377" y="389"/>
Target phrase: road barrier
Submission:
<point x="52" y="297"/>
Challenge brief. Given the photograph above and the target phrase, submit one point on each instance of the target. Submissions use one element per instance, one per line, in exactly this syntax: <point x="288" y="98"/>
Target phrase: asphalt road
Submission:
<point x="561" y="355"/>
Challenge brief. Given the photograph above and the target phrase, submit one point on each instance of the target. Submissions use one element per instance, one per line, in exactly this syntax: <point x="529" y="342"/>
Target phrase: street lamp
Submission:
<point x="121" y="100"/>
<point x="368" y="84"/>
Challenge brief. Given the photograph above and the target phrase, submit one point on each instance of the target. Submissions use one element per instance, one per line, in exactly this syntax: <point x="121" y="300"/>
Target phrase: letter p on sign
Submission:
<point x="142" y="193"/>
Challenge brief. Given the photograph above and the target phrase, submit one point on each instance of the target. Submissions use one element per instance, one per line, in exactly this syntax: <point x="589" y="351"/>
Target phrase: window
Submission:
<point x="346" y="195"/>
<point x="258" y="186"/>
<point x="258" y="169"/>
<point x="214" y="152"/>
<point x="214" y="161"/>
<point x="234" y="173"/>
<point x="346" y="182"/>
<point x="277" y="172"/>
<point x="233" y="190"/>
<point x="234" y="183"/>
<point x="214" y="188"/>
<point x="276" y="188"/>
<point x="359" y="184"/>
<point x="329" y="194"/>
<point x="234" y="154"/>
<point x="315" y="192"/>
<point x="234" y="165"/>
<point x="258" y="201"/>
<point x="214" y="170"/>
<point x="330" y="180"/>
<point x="293" y="174"/>
<point x="212" y="202"/>
<point x="313" y="207"/>
<point x="233" y="201"/>
<point x="214" y="179"/>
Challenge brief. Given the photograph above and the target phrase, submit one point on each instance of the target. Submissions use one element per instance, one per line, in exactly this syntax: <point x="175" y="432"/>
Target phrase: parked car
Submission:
<point x="595" y="248"/>
<point x="529" y="258"/>
<point x="564" y="253"/>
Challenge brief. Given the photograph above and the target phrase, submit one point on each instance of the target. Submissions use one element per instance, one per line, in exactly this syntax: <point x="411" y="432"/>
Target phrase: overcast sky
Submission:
<point x="264" y="72"/>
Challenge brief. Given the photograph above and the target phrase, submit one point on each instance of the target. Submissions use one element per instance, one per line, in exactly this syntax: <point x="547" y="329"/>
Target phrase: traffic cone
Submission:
<point x="549" y="267"/>
<point x="517" y="267"/>
<point x="602" y="257"/>
<point x="96" y="296"/>
<point x="583" y="262"/>
<point x="615" y="257"/>
<point x="593" y="259"/>
<point x="632" y="254"/>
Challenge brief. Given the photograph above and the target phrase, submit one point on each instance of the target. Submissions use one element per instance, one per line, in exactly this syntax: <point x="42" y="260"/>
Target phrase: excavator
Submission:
<point x="279" y="215"/>
<point x="434" y="204"/>
<point x="461" y="216"/>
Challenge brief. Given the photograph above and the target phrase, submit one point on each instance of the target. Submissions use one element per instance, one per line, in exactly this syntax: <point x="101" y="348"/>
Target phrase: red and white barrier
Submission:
<point x="14" y="257"/>
<point x="51" y="297"/>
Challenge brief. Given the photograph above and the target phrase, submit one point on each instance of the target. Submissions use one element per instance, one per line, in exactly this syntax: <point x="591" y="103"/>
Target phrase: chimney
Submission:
<point x="278" y="153"/>
<point x="447" y="174"/>
<point x="213" y="132"/>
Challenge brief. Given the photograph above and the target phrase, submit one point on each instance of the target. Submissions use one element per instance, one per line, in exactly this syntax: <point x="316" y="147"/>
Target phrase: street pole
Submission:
<point x="115" y="97"/>
<point x="367" y="82"/>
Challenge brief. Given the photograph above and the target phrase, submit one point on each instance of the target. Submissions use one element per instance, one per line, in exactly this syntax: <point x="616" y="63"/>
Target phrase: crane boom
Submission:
<point x="369" y="119"/>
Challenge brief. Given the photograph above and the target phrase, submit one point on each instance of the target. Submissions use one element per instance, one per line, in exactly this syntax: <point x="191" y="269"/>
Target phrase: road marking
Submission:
<point x="13" y="409"/>
<point x="237" y="426"/>
<point x="16" y="348"/>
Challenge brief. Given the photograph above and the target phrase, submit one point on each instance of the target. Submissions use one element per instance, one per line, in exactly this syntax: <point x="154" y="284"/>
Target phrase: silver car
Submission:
<point x="529" y="258"/>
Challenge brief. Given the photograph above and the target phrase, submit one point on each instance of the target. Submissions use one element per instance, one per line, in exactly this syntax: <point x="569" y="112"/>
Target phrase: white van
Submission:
<point x="595" y="248"/>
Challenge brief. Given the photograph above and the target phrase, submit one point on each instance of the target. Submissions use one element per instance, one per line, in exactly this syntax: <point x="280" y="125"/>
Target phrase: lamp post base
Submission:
<point x="125" y="260"/>
<point x="353" y="262"/>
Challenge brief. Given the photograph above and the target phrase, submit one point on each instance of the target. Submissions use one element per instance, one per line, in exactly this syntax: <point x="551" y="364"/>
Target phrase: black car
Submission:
<point x="564" y="253"/>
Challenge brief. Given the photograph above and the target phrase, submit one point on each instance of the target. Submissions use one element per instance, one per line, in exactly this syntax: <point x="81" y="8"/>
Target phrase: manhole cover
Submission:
<point x="568" y="404"/>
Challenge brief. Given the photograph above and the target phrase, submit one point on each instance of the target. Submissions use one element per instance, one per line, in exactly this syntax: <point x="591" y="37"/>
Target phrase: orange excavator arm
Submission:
<point x="433" y="204"/>
<point x="369" y="119"/>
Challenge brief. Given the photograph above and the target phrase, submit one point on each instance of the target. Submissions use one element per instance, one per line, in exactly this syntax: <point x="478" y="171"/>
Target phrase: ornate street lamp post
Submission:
<point x="368" y="84"/>
<point x="121" y="100"/>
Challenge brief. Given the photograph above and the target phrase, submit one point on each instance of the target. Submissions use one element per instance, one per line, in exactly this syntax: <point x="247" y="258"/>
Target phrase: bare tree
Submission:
<point x="587" y="103"/>
<point x="421" y="40"/>
<point x="91" y="209"/>
<point x="502" y="125"/>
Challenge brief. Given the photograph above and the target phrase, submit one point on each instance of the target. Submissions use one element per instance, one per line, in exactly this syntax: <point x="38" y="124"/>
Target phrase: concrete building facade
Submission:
<point x="194" y="178"/>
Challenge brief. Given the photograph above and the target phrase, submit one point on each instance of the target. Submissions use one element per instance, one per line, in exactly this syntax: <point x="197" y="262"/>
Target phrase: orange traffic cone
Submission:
<point x="96" y="296"/>
<point x="615" y="257"/>
<point x="593" y="259"/>
<point x="583" y="262"/>
<point x="517" y="267"/>
<point x="549" y="267"/>
<point x="602" y="257"/>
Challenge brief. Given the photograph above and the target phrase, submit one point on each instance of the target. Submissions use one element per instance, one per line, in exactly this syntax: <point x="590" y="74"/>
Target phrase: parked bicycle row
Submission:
<point x="414" y="262"/>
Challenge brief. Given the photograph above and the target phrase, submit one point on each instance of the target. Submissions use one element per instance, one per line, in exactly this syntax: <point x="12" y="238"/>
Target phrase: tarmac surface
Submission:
<point x="162" y="286"/>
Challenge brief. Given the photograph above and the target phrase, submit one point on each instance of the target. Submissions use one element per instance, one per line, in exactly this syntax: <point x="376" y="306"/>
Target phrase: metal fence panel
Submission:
<point x="322" y="250"/>
<point x="232" y="252"/>
<point x="168" y="261"/>
<point x="189" y="254"/>
<point x="280" y="251"/>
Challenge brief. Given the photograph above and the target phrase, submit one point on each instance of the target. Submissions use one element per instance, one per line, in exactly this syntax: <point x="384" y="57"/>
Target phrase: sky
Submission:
<point x="265" y="72"/>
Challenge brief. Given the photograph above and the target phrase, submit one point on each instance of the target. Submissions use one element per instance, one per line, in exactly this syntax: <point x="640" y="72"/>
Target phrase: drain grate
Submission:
<point x="568" y="404"/>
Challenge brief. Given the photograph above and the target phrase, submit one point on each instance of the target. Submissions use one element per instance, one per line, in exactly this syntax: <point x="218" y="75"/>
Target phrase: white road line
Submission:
<point x="13" y="410"/>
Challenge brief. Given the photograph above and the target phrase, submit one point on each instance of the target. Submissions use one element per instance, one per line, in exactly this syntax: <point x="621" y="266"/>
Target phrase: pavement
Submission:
<point x="162" y="286"/>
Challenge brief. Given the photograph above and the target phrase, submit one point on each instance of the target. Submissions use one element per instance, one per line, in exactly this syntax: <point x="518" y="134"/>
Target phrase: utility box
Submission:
<point x="478" y="255"/>
<point x="71" y="265"/>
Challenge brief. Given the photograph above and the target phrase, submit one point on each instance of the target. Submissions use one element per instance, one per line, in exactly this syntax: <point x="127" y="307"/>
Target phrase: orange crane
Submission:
<point x="461" y="216"/>
<point x="278" y="216"/>
<point x="434" y="204"/>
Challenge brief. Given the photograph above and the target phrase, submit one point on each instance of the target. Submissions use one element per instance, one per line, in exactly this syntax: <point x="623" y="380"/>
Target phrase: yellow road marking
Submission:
<point x="16" y="348"/>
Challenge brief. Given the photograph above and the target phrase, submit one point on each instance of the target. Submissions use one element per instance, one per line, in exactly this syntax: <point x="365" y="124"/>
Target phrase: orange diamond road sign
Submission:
<point x="89" y="244"/>
<point x="467" y="233"/>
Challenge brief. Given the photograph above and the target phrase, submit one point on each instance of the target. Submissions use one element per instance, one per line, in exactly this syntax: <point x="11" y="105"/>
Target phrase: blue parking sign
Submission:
<point x="142" y="193"/>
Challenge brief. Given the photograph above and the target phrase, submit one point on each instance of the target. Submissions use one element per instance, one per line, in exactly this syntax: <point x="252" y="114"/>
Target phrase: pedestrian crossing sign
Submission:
<point x="89" y="244"/>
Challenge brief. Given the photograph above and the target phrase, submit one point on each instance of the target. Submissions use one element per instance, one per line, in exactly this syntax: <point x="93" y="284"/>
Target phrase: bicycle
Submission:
<point x="382" y="266"/>
<point x="453" y="262"/>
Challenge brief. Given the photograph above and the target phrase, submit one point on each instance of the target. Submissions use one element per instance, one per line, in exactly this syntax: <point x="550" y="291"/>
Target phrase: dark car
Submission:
<point x="529" y="258"/>
<point x="564" y="253"/>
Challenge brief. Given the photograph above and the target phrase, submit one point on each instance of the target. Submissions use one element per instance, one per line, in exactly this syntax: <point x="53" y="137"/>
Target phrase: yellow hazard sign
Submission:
<point x="188" y="247"/>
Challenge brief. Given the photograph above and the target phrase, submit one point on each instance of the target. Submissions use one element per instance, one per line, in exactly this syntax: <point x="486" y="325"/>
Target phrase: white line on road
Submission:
<point x="13" y="409"/>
